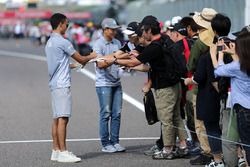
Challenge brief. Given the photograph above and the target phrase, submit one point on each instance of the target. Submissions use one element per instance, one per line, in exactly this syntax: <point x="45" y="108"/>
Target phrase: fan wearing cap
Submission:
<point x="179" y="32"/>
<point x="130" y="31"/>
<point x="134" y="44"/>
<point x="181" y="50"/>
<point x="108" y="88"/>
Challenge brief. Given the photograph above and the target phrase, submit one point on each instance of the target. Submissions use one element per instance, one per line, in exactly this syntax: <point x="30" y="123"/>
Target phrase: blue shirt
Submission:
<point x="240" y="82"/>
<point x="107" y="76"/>
<point x="58" y="52"/>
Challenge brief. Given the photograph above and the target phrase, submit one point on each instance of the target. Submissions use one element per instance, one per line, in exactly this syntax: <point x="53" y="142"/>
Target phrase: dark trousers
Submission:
<point x="159" y="142"/>
<point x="243" y="120"/>
<point x="214" y="136"/>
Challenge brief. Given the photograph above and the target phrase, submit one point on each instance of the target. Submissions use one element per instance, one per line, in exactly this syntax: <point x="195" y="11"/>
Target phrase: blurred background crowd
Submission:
<point x="29" y="18"/>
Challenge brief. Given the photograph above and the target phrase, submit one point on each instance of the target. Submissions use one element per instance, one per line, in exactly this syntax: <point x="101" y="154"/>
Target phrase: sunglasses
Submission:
<point x="67" y="25"/>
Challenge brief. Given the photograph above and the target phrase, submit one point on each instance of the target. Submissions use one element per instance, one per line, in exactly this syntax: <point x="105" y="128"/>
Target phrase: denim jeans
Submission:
<point x="243" y="120"/>
<point x="110" y="101"/>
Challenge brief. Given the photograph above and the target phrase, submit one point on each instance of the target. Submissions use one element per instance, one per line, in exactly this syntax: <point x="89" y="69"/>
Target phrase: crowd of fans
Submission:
<point x="210" y="94"/>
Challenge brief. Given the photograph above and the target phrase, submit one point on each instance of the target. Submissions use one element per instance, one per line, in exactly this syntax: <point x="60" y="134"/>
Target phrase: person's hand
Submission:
<point x="230" y="49"/>
<point x="134" y="53"/>
<point x="93" y="55"/>
<point x="220" y="44"/>
<point x="79" y="67"/>
<point x="146" y="88"/>
<point x="188" y="81"/>
<point x="109" y="59"/>
<point x="74" y="65"/>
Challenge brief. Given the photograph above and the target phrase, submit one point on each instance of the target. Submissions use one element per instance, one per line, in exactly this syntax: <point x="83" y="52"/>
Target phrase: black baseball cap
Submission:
<point x="131" y="29"/>
<point x="180" y="28"/>
<point x="245" y="29"/>
<point x="138" y="31"/>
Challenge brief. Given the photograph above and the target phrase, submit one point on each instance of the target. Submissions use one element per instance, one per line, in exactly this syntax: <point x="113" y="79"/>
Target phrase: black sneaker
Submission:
<point x="152" y="150"/>
<point x="182" y="152"/>
<point x="201" y="160"/>
<point x="195" y="150"/>
<point x="163" y="155"/>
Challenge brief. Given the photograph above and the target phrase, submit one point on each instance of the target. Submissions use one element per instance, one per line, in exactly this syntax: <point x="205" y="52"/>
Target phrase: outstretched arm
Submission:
<point x="83" y="59"/>
<point x="132" y="62"/>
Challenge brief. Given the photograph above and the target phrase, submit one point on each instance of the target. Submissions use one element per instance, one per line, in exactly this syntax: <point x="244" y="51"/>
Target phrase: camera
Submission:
<point x="227" y="41"/>
<point x="220" y="48"/>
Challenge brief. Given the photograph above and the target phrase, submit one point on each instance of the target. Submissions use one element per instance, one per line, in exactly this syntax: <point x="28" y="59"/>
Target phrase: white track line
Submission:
<point x="89" y="74"/>
<point x="74" y="140"/>
<point x="126" y="97"/>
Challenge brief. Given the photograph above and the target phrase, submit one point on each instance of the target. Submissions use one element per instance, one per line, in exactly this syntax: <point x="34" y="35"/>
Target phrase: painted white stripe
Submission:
<point x="74" y="140"/>
<point x="22" y="55"/>
<point x="126" y="97"/>
<point x="89" y="74"/>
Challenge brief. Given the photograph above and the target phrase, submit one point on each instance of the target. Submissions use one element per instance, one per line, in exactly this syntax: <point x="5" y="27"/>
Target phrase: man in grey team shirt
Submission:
<point x="108" y="88"/>
<point x="58" y="51"/>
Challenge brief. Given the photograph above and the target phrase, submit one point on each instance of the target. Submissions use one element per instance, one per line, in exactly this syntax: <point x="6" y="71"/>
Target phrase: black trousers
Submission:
<point x="159" y="142"/>
<point x="214" y="136"/>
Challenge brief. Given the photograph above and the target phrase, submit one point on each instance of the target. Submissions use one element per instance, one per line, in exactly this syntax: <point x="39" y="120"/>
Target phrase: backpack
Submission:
<point x="174" y="69"/>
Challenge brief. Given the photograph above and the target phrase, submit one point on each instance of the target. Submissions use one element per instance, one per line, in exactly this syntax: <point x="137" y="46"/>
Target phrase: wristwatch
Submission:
<point x="115" y="61"/>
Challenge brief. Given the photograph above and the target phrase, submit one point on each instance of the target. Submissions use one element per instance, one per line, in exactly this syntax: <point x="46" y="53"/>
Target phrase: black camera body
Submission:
<point x="227" y="41"/>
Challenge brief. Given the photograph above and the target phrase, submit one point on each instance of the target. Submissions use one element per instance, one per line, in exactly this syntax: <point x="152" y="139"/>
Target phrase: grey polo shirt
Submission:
<point x="58" y="52"/>
<point x="107" y="76"/>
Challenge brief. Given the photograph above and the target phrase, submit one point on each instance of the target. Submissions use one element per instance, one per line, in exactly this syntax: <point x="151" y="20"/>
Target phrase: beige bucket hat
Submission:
<point x="204" y="17"/>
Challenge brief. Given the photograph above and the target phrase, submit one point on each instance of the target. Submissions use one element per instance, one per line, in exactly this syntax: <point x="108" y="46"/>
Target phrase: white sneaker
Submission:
<point x="242" y="162"/>
<point x="109" y="149"/>
<point x="215" y="164"/>
<point x="54" y="155"/>
<point x="66" y="156"/>
<point x="119" y="148"/>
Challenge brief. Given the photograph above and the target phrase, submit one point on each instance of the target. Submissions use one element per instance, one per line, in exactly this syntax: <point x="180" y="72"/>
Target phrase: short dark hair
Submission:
<point x="242" y="49"/>
<point x="154" y="29"/>
<point x="151" y="22"/>
<point x="221" y="24"/>
<point x="56" y="19"/>
<point x="189" y="21"/>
